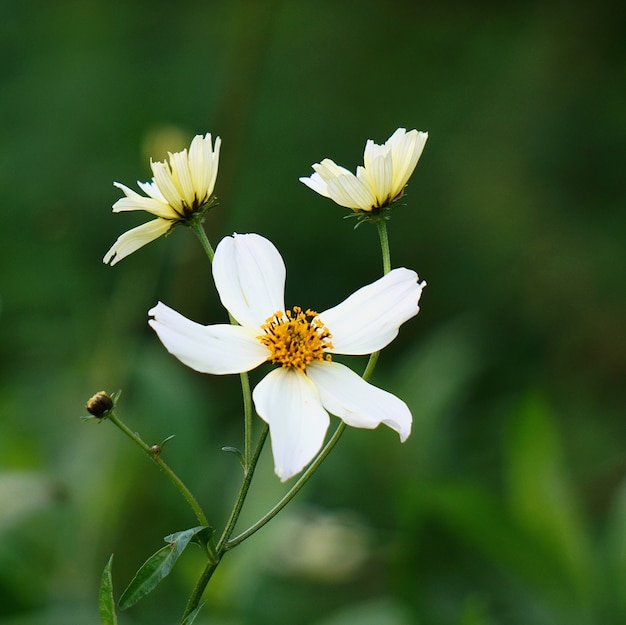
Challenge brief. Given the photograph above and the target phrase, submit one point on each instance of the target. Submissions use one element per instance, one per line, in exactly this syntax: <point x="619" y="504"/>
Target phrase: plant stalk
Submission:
<point x="156" y="458"/>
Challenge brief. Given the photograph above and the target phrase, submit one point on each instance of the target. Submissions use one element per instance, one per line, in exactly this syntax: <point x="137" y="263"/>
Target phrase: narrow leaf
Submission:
<point x="106" y="604"/>
<point x="543" y="501"/>
<point x="146" y="579"/>
<point x="157" y="566"/>
<point x="234" y="450"/>
<point x="192" y="616"/>
<point x="182" y="538"/>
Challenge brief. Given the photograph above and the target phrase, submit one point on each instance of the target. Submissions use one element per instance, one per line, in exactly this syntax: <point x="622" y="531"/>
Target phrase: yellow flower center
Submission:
<point x="296" y="338"/>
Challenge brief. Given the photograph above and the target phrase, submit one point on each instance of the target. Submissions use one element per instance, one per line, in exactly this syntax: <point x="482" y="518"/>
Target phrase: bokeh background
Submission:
<point x="507" y="505"/>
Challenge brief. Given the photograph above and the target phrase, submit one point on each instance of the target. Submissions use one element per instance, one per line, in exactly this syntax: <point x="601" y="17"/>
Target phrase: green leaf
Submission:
<point x="192" y="617"/>
<point x="158" y="566"/>
<point x="153" y="570"/>
<point x="183" y="538"/>
<point x="542" y="499"/>
<point x="106" y="604"/>
<point x="234" y="450"/>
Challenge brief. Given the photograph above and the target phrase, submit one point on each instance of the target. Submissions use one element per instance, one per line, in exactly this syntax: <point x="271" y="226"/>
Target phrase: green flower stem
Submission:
<point x="201" y="584"/>
<point x="371" y="364"/>
<point x="156" y="458"/>
<point x="304" y="478"/>
<point x="247" y="414"/>
<point x="223" y="543"/>
<point x="243" y="492"/>
<point x="196" y="225"/>
<point x="381" y="224"/>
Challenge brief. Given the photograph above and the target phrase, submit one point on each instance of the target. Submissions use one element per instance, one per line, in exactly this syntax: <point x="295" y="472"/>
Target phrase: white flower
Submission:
<point x="386" y="171"/>
<point x="179" y="189"/>
<point x="295" y="398"/>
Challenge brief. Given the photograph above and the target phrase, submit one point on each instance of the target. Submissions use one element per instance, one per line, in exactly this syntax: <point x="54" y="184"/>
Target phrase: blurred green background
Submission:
<point x="507" y="505"/>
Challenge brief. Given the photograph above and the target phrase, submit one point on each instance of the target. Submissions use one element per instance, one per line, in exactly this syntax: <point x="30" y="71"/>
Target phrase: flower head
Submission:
<point x="382" y="179"/>
<point x="180" y="189"/>
<point x="295" y="399"/>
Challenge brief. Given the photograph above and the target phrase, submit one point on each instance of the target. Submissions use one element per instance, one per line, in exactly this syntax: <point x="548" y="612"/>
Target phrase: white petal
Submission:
<point x="163" y="179"/>
<point x="373" y="151"/>
<point x="328" y="169"/>
<point x="151" y="189"/>
<point x="199" y="168"/>
<point x="316" y="182"/>
<point x="357" y="402"/>
<point x="179" y="163"/>
<point x="216" y="349"/>
<point x="132" y="240"/>
<point x="249" y="276"/>
<point x="289" y="402"/>
<point x="380" y="176"/>
<point x="398" y="137"/>
<point x="406" y="150"/>
<point x="325" y="172"/>
<point x="214" y="159"/>
<point x="370" y="318"/>
<point x="133" y="202"/>
<point x="203" y="164"/>
<point x="352" y="192"/>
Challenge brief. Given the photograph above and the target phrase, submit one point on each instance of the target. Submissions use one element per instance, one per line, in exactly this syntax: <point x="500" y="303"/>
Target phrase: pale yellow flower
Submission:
<point x="380" y="181"/>
<point x="179" y="190"/>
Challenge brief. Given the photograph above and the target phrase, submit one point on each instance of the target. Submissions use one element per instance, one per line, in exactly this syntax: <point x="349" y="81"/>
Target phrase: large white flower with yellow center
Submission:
<point x="382" y="179"/>
<point x="179" y="189"/>
<point x="295" y="398"/>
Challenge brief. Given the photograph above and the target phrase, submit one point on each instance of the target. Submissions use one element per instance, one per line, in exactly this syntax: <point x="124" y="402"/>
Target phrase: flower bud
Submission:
<point x="99" y="404"/>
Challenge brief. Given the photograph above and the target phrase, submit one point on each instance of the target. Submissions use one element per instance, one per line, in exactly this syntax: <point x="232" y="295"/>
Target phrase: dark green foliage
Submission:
<point x="506" y="506"/>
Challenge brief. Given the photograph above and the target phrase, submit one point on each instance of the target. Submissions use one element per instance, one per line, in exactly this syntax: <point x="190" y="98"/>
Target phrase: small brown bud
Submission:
<point x="99" y="404"/>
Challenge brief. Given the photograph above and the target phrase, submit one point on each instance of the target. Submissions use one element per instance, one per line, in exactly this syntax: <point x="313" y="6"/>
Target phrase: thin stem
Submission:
<point x="371" y="364"/>
<point x="222" y="545"/>
<point x="381" y="224"/>
<point x="156" y="458"/>
<point x="196" y="226"/>
<point x="247" y="418"/>
<point x="201" y="584"/>
<point x="292" y="492"/>
<point x="243" y="492"/>
<point x="304" y="478"/>
<point x="225" y="542"/>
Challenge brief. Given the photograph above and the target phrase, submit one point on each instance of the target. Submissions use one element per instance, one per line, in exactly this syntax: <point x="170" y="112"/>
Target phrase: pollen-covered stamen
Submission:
<point x="296" y="338"/>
